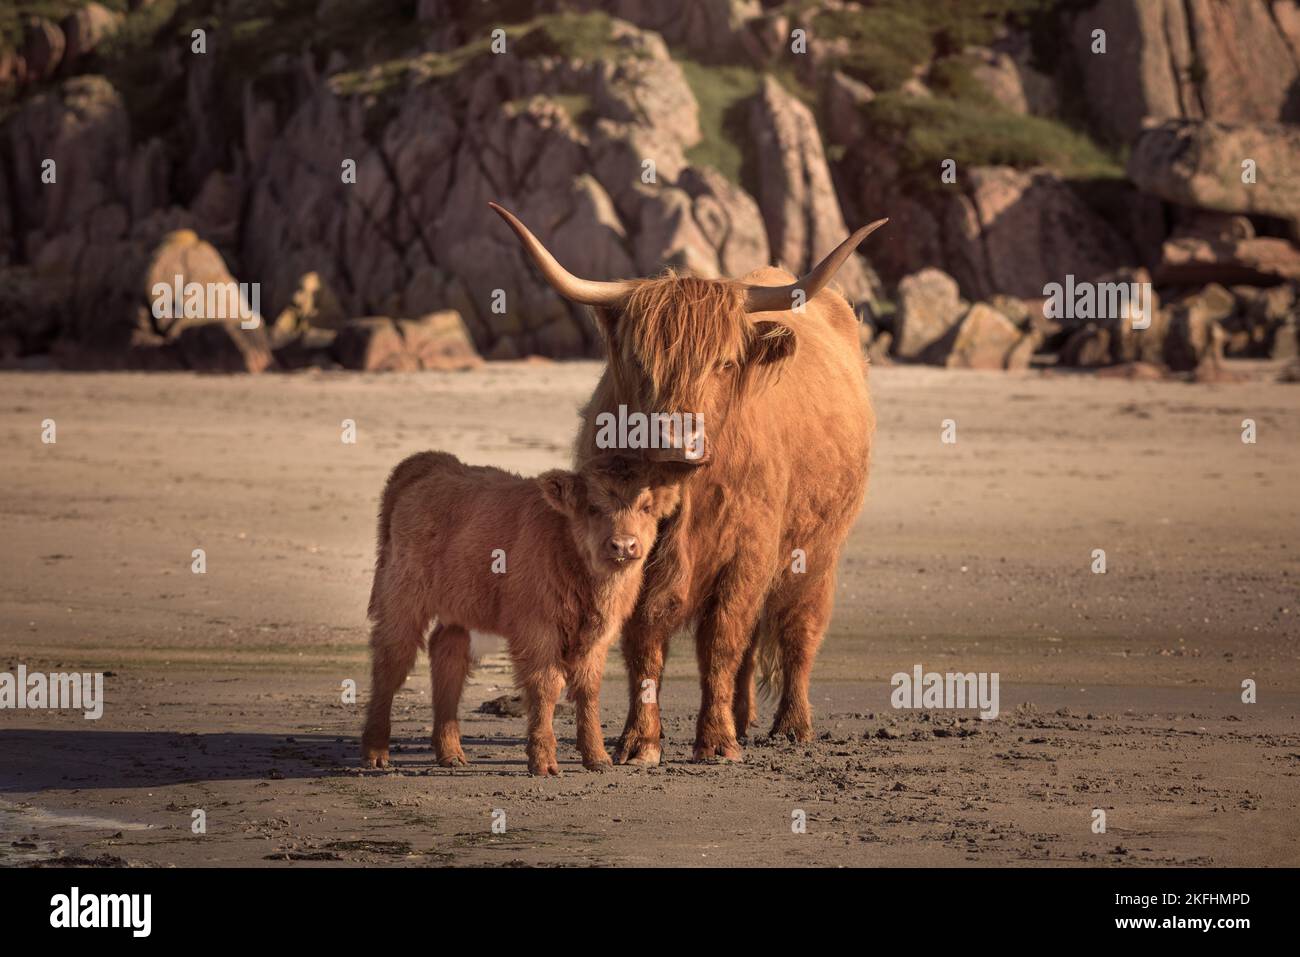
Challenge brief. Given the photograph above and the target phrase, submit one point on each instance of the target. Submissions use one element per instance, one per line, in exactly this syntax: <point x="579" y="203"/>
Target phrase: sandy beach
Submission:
<point x="1120" y="691"/>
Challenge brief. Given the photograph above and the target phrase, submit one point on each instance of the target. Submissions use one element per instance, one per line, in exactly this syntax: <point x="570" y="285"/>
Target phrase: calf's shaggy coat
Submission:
<point x="553" y="564"/>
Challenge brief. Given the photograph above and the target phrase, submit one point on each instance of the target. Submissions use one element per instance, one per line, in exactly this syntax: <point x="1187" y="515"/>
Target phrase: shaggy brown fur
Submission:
<point x="789" y="425"/>
<point x="574" y="547"/>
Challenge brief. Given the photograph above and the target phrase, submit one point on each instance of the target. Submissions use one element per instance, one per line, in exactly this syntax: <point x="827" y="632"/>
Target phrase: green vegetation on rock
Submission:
<point x="929" y="130"/>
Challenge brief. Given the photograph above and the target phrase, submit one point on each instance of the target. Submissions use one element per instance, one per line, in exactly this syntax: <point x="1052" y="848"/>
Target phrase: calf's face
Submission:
<point x="613" y="506"/>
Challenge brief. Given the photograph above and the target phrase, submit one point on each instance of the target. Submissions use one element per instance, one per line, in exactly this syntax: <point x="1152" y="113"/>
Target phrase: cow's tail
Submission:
<point x="771" y="674"/>
<point x="407" y="471"/>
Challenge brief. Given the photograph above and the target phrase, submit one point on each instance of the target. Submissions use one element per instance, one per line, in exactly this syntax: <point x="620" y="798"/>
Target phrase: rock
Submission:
<point x="844" y="98"/>
<point x="797" y="197"/>
<point x="1038" y="89"/>
<point x="43" y="48"/>
<point x="1017" y="310"/>
<point x="710" y="27"/>
<point x="929" y="305"/>
<point x="439" y="341"/>
<point x="314" y="305"/>
<point x="1194" y="334"/>
<point x="983" y="339"/>
<point x="669" y="236"/>
<point x="1087" y="347"/>
<point x="373" y="344"/>
<point x="1022" y="353"/>
<point x="729" y="220"/>
<point x="1250" y="72"/>
<point x="1200" y="164"/>
<point x="1285" y="342"/>
<point x="309" y="348"/>
<point x="222" y="346"/>
<point x="1171" y="58"/>
<point x="1013" y="232"/>
<point x="1189" y="261"/>
<point x="999" y="76"/>
<point x="86" y="28"/>
<point x="184" y="261"/>
<point x="878" y="351"/>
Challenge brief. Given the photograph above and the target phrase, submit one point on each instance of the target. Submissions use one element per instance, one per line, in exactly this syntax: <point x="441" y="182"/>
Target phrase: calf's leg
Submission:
<point x="584" y="689"/>
<point x="541" y="690"/>
<point x="449" y="666"/>
<point x="395" y="639"/>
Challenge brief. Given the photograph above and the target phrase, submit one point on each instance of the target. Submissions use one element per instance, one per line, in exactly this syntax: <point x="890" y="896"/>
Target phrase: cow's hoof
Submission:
<point x="544" y="768"/>
<point x="643" y="754"/>
<point x="797" y="733"/>
<point x="724" y="750"/>
<point x="374" y="758"/>
<point x="456" y="759"/>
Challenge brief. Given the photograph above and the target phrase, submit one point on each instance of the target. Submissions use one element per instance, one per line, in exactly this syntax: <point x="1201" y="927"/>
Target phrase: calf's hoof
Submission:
<point x="374" y="758"/>
<point x="454" y="760"/>
<point x="543" y="768"/>
<point x="597" y="762"/>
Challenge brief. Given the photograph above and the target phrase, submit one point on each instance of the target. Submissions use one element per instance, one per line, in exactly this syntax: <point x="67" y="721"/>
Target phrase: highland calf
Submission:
<point x="554" y="564"/>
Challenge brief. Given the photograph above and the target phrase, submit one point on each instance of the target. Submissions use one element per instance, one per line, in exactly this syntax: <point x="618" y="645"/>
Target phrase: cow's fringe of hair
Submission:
<point x="672" y="310"/>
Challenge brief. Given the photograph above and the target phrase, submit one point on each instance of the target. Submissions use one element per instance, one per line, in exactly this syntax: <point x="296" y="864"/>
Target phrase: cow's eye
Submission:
<point x="592" y="510"/>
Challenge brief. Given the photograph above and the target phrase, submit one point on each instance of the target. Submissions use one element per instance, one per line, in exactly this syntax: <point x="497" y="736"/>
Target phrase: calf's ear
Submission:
<point x="561" y="490"/>
<point x="773" y="342"/>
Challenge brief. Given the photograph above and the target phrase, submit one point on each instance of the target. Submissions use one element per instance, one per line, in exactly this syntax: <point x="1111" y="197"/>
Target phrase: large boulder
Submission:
<point x="796" y="194"/>
<point x="439" y="341"/>
<point x="1015" y="231"/>
<point x="222" y="346"/>
<point x="183" y="262"/>
<point x="929" y="305"/>
<point x="983" y="339"/>
<point x="1190" y="260"/>
<point x="1234" y="62"/>
<point x="1200" y="164"/>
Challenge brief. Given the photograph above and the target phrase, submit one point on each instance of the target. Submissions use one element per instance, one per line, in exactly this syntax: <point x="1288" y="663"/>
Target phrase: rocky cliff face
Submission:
<point x="337" y="158"/>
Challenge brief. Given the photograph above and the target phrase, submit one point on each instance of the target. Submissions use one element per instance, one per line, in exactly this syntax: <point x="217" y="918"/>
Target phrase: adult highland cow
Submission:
<point x="773" y="366"/>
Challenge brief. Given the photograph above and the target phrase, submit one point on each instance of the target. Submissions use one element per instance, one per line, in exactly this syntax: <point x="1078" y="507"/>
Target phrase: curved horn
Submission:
<point x="781" y="298"/>
<point x="585" y="291"/>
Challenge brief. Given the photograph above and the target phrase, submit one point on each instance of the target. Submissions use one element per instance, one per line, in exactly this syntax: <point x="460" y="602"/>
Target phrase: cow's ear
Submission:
<point x="773" y="342"/>
<point x="561" y="490"/>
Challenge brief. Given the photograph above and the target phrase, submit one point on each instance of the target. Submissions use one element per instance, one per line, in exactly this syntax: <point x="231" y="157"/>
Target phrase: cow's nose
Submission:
<point x="624" y="548"/>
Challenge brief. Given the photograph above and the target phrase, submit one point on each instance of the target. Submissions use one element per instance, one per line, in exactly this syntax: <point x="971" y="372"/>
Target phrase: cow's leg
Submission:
<point x="645" y="647"/>
<point x="541" y="690"/>
<point x="743" y="709"/>
<point x="395" y="640"/>
<point x="721" y="644"/>
<point x="449" y="666"/>
<point x="798" y="619"/>
<point x="584" y="688"/>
